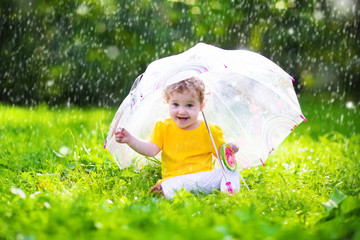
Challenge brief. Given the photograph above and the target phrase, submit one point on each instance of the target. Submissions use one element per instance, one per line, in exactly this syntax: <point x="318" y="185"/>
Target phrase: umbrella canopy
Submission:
<point x="250" y="98"/>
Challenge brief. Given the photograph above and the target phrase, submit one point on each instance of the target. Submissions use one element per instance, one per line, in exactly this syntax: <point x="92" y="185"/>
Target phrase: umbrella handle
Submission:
<point x="228" y="184"/>
<point x="214" y="145"/>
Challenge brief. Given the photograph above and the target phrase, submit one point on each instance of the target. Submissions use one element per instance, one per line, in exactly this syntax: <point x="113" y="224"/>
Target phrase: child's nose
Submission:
<point x="181" y="110"/>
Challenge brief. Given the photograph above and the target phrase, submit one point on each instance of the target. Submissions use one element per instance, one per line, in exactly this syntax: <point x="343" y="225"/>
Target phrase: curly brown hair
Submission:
<point x="193" y="84"/>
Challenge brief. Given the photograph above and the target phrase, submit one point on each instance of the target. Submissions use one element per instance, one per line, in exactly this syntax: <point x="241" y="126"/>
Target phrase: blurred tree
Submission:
<point x="88" y="52"/>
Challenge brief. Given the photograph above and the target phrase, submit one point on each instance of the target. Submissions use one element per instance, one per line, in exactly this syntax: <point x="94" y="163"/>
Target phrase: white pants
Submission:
<point x="201" y="182"/>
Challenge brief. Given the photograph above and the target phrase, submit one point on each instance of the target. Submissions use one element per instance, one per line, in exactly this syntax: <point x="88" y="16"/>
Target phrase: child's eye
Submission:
<point x="189" y="105"/>
<point x="175" y="104"/>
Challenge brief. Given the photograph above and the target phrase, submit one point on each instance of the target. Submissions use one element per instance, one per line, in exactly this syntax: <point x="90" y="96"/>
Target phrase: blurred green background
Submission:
<point x="88" y="52"/>
<point x="79" y="53"/>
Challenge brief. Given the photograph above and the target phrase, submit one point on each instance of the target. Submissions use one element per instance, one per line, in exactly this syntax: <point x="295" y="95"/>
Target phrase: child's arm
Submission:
<point x="145" y="148"/>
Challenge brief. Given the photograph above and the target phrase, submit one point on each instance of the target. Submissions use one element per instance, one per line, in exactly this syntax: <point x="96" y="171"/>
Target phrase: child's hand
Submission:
<point x="122" y="136"/>
<point x="234" y="147"/>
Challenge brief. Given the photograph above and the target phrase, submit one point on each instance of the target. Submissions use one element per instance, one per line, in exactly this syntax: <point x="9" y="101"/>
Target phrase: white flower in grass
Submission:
<point x="64" y="150"/>
<point x="98" y="225"/>
<point x="19" y="192"/>
<point x="34" y="194"/>
<point x="47" y="205"/>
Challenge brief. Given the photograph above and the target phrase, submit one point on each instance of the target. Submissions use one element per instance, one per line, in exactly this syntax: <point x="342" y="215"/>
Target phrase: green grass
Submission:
<point x="57" y="182"/>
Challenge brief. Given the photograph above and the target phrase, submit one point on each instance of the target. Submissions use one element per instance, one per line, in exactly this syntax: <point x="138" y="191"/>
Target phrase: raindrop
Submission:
<point x="350" y="105"/>
<point x="83" y="9"/>
<point x="291" y="31"/>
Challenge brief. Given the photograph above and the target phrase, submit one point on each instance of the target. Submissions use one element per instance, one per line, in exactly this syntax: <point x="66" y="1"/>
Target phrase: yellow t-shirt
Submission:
<point x="185" y="151"/>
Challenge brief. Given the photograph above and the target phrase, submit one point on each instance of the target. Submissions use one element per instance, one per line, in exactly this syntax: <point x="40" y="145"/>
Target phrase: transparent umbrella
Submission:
<point x="250" y="98"/>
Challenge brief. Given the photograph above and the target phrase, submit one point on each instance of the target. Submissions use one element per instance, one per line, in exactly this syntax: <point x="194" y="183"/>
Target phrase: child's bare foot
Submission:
<point x="157" y="189"/>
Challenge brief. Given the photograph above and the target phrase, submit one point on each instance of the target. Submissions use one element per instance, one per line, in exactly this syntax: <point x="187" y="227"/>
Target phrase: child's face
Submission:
<point x="184" y="109"/>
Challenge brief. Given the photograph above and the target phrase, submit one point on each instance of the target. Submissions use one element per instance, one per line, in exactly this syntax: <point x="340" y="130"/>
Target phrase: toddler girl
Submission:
<point x="187" y="150"/>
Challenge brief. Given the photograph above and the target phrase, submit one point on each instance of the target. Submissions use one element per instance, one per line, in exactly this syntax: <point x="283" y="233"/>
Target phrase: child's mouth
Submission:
<point x="183" y="119"/>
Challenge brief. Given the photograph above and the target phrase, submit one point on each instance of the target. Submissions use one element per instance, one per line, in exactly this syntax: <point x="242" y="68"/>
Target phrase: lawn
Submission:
<point x="57" y="182"/>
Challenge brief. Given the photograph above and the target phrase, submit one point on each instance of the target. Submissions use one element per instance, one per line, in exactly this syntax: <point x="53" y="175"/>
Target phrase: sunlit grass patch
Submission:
<point x="58" y="182"/>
